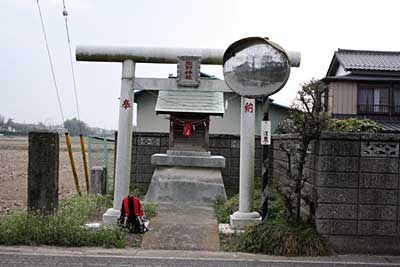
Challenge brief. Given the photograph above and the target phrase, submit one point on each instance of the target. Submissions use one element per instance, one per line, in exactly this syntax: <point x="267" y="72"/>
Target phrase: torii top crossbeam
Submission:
<point x="164" y="55"/>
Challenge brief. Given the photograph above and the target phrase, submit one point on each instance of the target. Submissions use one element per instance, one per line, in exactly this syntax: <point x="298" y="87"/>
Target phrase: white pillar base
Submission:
<point x="111" y="216"/>
<point x="240" y="220"/>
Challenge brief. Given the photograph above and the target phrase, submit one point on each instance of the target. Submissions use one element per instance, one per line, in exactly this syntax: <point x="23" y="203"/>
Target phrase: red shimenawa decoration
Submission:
<point x="187" y="130"/>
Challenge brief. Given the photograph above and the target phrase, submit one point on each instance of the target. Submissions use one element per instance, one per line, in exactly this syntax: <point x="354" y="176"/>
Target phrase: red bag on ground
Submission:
<point x="132" y="215"/>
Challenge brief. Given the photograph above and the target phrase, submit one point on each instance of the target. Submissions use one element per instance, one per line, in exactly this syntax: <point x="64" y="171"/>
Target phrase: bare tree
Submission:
<point x="308" y="120"/>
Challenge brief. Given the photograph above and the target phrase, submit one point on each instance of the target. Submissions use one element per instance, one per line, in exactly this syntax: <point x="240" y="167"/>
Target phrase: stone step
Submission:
<point x="188" y="161"/>
<point x="189" y="153"/>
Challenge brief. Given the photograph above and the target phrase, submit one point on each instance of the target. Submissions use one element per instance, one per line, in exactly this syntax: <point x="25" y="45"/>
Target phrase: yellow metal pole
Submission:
<point x="71" y="158"/>
<point x="85" y="166"/>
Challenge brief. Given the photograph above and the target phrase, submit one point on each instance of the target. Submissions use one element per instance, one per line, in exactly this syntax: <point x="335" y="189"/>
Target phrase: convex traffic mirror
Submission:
<point x="255" y="67"/>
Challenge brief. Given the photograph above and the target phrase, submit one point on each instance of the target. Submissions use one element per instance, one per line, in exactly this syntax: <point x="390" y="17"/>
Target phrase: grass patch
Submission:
<point x="150" y="210"/>
<point x="65" y="227"/>
<point x="274" y="236"/>
<point x="277" y="237"/>
<point x="224" y="209"/>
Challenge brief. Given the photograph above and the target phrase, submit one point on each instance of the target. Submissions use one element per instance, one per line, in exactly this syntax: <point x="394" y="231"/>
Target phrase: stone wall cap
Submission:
<point x="380" y="136"/>
<point x="340" y="135"/>
<point x="344" y="136"/>
<point x="285" y="136"/>
<point x="98" y="167"/>
<point x="43" y="132"/>
<point x="149" y="134"/>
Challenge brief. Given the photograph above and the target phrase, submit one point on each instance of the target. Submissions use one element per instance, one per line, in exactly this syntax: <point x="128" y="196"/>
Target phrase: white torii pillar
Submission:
<point x="124" y="141"/>
<point x="246" y="215"/>
<point x="129" y="56"/>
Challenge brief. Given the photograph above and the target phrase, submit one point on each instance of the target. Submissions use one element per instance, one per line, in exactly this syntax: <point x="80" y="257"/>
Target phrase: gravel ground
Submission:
<point x="14" y="172"/>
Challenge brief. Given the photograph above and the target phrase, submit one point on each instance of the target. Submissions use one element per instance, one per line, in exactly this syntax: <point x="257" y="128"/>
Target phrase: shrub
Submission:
<point x="275" y="236"/>
<point x="355" y="125"/>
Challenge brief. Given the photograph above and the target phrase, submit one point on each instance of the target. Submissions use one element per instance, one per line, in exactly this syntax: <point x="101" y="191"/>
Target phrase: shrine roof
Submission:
<point x="211" y="103"/>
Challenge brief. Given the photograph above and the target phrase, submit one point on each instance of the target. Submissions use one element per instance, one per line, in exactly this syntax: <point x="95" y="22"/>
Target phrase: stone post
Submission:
<point x="246" y="215"/>
<point x="98" y="180"/>
<point x="43" y="171"/>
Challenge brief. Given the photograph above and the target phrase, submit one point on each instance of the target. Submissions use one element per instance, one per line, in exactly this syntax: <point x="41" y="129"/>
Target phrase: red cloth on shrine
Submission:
<point x="187" y="130"/>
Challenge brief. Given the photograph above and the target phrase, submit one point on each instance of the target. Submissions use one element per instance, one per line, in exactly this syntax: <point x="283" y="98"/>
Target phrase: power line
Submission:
<point x="65" y="14"/>
<point x="51" y="62"/>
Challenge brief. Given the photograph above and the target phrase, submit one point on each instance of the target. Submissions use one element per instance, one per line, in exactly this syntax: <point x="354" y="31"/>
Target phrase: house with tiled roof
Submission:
<point x="365" y="84"/>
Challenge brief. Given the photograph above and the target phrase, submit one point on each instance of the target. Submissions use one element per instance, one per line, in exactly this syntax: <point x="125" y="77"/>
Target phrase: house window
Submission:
<point x="396" y="100"/>
<point x="374" y="100"/>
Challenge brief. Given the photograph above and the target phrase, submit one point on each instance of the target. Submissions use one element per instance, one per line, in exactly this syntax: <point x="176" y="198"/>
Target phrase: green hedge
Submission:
<point x="355" y="125"/>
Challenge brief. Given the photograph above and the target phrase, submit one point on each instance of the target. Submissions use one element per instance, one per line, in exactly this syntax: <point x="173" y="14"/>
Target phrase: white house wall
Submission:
<point x="341" y="71"/>
<point x="230" y="123"/>
<point x="147" y="120"/>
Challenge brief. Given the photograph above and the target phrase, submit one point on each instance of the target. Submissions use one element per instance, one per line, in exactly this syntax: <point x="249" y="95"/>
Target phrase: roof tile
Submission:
<point x="190" y="102"/>
<point x="369" y="60"/>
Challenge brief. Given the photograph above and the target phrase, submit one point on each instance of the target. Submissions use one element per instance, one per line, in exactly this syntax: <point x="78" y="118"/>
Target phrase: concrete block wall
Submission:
<point x="356" y="180"/>
<point x="146" y="144"/>
<point x="143" y="146"/>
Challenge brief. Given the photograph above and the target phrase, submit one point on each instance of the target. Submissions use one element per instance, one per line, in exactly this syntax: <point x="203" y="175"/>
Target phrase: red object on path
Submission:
<point x="187" y="131"/>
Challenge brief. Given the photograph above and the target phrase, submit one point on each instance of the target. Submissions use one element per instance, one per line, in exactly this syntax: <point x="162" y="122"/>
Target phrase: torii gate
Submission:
<point x="131" y="55"/>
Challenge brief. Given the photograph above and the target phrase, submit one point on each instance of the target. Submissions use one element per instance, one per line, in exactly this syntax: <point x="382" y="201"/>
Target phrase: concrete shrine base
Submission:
<point x="186" y="176"/>
<point x="186" y="184"/>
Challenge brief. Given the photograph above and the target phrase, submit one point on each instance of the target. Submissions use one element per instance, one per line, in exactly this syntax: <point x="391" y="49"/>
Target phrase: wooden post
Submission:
<point x="207" y="135"/>
<point x="43" y="168"/>
<point x="171" y="134"/>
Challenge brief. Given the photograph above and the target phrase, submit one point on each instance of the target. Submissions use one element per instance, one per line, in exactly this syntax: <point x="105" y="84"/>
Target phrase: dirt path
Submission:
<point x="182" y="226"/>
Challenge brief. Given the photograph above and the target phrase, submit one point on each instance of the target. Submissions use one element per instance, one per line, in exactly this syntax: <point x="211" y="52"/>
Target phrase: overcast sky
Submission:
<point x="315" y="28"/>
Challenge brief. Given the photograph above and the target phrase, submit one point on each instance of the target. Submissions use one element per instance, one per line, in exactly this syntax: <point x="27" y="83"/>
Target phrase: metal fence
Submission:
<point x="101" y="153"/>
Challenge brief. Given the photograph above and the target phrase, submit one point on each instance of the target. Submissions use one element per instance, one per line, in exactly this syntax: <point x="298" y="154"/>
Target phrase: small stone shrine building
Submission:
<point x="188" y="172"/>
<point x="189" y="115"/>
